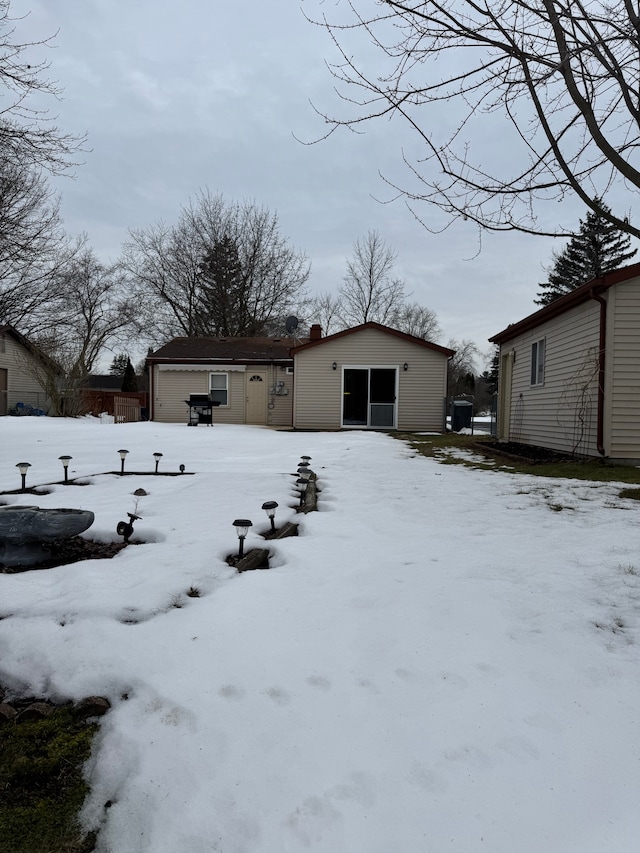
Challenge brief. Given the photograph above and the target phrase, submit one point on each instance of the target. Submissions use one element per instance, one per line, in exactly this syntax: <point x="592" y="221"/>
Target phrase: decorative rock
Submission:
<point x="92" y="706"/>
<point x="7" y="713"/>
<point x="140" y="493"/>
<point x="35" y="711"/>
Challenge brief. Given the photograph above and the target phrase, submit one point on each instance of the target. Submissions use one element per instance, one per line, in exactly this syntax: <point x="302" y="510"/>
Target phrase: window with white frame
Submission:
<point x="219" y="388"/>
<point x="537" y="362"/>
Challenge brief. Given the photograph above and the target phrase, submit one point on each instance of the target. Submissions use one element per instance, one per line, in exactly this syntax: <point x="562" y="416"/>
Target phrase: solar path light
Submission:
<point x="242" y="526"/>
<point x="123" y="456"/>
<point x="270" y="508"/>
<point x="65" y="464"/>
<point x="23" y="467"/>
<point x="302" y="484"/>
<point x="157" y="457"/>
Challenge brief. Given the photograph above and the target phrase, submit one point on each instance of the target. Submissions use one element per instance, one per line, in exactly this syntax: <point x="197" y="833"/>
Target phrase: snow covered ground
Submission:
<point x="443" y="660"/>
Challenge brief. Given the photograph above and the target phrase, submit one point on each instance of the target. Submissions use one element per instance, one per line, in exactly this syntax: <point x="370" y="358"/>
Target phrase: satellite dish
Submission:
<point x="291" y="324"/>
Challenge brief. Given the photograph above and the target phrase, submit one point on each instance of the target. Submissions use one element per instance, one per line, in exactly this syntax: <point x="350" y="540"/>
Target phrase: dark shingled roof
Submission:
<point x="242" y="350"/>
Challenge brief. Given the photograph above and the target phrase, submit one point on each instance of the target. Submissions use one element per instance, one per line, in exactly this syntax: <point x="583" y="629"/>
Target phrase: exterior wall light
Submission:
<point x="334" y="366"/>
<point x="405" y="366"/>
<point x="242" y="526"/>
<point x="270" y="508"/>
<point x="157" y="457"/>
<point x="65" y="464"/>
<point x="23" y="467"/>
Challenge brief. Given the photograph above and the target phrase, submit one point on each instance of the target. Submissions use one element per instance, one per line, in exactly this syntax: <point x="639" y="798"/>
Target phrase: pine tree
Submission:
<point x="119" y="364"/>
<point x="223" y="293"/>
<point x="129" y="379"/>
<point x="597" y="248"/>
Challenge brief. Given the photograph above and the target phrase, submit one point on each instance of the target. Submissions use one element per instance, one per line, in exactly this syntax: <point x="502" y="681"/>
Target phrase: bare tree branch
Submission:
<point x="558" y="81"/>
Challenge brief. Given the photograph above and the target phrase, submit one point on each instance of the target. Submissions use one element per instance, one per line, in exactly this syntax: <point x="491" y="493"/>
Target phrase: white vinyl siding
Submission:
<point x="421" y="388"/>
<point x="562" y="413"/>
<point x="172" y="387"/>
<point x="22" y="386"/>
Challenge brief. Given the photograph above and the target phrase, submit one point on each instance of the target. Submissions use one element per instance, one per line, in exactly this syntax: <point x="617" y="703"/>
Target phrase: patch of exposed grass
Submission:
<point x="489" y="458"/>
<point x="634" y="494"/>
<point x="41" y="784"/>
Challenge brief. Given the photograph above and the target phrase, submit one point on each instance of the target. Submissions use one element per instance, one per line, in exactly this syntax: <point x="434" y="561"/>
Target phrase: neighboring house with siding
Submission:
<point x="250" y="378"/>
<point x="570" y="372"/>
<point x="19" y="360"/>
<point x="369" y="376"/>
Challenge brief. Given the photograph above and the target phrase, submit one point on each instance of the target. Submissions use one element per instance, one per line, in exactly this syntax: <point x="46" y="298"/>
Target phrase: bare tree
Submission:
<point x="222" y="269"/>
<point x="462" y="367"/>
<point x="29" y="135"/>
<point x="326" y="311"/>
<point x="369" y="292"/>
<point x="558" y="81"/>
<point x="415" y="319"/>
<point x="93" y="311"/>
<point x="32" y="243"/>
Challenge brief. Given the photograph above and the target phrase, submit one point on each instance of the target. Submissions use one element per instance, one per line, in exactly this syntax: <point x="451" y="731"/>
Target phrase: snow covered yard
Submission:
<point x="444" y="659"/>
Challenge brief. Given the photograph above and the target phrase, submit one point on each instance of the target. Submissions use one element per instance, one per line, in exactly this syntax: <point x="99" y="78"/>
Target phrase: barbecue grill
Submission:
<point x="201" y="409"/>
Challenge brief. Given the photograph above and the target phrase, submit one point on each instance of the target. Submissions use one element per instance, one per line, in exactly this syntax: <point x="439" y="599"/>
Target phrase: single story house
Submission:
<point x="370" y="376"/>
<point x="20" y="388"/>
<point x="251" y="379"/>
<point x="570" y="372"/>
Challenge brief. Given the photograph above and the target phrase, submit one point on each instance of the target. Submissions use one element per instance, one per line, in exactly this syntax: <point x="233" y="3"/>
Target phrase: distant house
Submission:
<point x="251" y="379"/>
<point x="20" y="389"/>
<point x="570" y="372"/>
<point x="370" y="376"/>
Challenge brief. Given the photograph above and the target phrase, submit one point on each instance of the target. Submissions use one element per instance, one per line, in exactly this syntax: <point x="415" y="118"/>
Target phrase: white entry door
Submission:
<point x="256" y="384"/>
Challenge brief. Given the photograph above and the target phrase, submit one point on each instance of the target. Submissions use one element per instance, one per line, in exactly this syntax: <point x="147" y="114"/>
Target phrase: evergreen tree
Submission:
<point x="129" y="379"/>
<point x="119" y="364"/>
<point x="223" y="297"/>
<point x="597" y="248"/>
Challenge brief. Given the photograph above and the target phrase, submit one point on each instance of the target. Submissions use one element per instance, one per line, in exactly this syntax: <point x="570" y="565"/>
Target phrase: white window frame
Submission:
<point x="538" y="361"/>
<point x="226" y="388"/>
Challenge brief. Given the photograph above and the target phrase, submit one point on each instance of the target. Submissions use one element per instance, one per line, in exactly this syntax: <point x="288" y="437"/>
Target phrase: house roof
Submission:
<point x="224" y="350"/>
<point x="575" y="297"/>
<point x="379" y="327"/>
<point x="30" y="347"/>
<point x="103" y="382"/>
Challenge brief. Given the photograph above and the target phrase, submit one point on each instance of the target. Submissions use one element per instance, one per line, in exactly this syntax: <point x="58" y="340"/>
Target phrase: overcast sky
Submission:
<point x="176" y="97"/>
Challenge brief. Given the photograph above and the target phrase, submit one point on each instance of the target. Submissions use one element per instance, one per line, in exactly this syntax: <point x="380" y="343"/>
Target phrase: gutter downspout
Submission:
<point x="601" y="365"/>
<point x="152" y="402"/>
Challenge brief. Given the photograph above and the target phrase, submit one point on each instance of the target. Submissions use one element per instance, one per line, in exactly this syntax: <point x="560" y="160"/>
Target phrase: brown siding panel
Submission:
<point x="624" y="372"/>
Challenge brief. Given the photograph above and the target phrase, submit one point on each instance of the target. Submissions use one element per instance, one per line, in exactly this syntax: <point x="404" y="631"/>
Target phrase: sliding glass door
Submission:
<point x="369" y="397"/>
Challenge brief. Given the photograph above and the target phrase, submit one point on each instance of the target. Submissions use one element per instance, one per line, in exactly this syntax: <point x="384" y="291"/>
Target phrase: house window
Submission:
<point x="219" y="388"/>
<point x="537" y="362"/>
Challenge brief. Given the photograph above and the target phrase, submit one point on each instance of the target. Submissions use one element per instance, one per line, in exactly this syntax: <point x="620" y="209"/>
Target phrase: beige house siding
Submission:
<point x="171" y="387"/>
<point x="560" y="414"/>
<point x="318" y="388"/>
<point x="22" y="387"/>
<point x="622" y="378"/>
